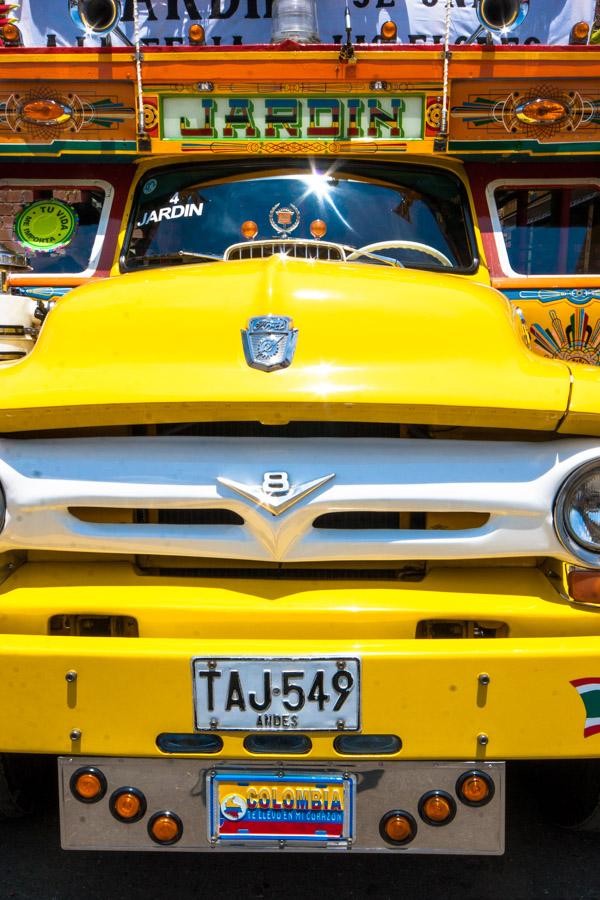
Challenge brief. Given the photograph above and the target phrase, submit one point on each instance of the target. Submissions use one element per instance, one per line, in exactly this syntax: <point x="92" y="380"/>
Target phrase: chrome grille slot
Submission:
<point x="120" y="516"/>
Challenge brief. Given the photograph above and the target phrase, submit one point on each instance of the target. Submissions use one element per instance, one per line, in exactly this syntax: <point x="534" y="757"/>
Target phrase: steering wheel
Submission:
<point x="403" y="245"/>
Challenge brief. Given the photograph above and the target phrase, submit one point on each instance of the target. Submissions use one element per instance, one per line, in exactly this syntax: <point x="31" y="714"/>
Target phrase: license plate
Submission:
<point x="308" y="694"/>
<point x="250" y="807"/>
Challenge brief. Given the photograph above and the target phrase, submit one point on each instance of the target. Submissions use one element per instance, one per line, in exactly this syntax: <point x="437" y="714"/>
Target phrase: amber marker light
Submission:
<point x="165" y="828"/>
<point x="127" y="804"/>
<point x="437" y="808"/>
<point x="584" y="586"/>
<point x="45" y="112"/>
<point x="542" y="111"/>
<point x="579" y="33"/>
<point x="475" y="788"/>
<point x="398" y="827"/>
<point x="249" y="229"/>
<point x="196" y="34"/>
<point x="88" y="785"/>
<point x="318" y="228"/>
<point x="10" y="33"/>
<point x="389" y="31"/>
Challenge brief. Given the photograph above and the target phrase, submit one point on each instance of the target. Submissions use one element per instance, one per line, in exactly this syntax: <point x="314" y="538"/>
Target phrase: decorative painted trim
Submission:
<point x="578" y="341"/>
<point x="41" y="293"/>
<point x="576" y="296"/>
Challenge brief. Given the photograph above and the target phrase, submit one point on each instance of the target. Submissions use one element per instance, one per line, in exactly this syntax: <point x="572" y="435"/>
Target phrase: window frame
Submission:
<point x="69" y="184"/>
<point x="255" y="164"/>
<point x="499" y="243"/>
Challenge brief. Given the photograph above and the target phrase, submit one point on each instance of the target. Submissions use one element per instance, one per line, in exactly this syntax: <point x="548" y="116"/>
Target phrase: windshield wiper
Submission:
<point x="181" y="256"/>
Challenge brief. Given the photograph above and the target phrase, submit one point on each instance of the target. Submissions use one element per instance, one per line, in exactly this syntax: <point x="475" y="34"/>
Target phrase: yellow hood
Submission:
<point x="374" y="344"/>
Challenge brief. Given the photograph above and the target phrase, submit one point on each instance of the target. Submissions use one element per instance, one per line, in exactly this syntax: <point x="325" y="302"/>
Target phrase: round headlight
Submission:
<point x="577" y="513"/>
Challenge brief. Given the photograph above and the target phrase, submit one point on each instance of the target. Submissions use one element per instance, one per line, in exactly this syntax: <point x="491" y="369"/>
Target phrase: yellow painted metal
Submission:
<point x="584" y="406"/>
<point x="375" y="343"/>
<point x="129" y="690"/>
<point x="176" y="607"/>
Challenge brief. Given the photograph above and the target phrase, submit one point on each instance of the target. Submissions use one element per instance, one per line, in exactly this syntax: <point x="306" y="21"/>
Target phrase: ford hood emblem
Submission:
<point x="269" y="342"/>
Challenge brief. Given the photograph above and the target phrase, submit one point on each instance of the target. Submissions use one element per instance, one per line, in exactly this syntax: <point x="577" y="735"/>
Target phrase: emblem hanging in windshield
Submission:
<point x="269" y="342"/>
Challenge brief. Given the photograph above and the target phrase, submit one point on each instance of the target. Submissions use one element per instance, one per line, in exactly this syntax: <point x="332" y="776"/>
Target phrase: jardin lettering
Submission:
<point x="293" y="118"/>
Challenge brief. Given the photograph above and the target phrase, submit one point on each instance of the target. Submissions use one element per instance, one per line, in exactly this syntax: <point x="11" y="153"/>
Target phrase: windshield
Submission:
<point x="411" y="215"/>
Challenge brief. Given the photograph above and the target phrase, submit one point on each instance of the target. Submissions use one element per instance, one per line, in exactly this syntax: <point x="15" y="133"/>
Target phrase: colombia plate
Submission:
<point x="300" y="807"/>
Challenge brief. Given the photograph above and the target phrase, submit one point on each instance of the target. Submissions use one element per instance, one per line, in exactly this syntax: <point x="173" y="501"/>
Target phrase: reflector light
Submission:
<point x="165" y="828"/>
<point x="249" y="229"/>
<point x="10" y="34"/>
<point x="196" y="34"/>
<point x="437" y="808"/>
<point x="398" y="827"/>
<point x="389" y="31"/>
<point x="367" y="744"/>
<point x="580" y="33"/>
<point x="475" y="788"/>
<point x="127" y="804"/>
<point x="88" y="785"/>
<point x="541" y="111"/>
<point x="277" y="743"/>
<point x="45" y="112"/>
<point x="318" y="228"/>
<point x="584" y="586"/>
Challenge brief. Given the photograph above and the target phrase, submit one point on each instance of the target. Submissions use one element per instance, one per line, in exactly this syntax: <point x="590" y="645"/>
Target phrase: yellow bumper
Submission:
<point x="129" y="690"/>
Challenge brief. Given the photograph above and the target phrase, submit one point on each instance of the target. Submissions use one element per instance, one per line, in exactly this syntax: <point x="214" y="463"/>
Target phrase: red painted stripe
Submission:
<point x="588" y="49"/>
<point x="578" y="682"/>
<point x="592" y="729"/>
<point x="331" y="829"/>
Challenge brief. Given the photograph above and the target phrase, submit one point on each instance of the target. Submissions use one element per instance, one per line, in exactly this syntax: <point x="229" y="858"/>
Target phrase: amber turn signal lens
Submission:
<point x="165" y="828"/>
<point x="249" y="229"/>
<point x="398" y="827"/>
<point x="88" y="785"/>
<point x="541" y="111"/>
<point x="437" y="808"/>
<point x="318" y="228"/>
<point x="389" y="31"/>
<point x="579" y="33"/>
<point x="475" y="788"/>
<point x="584" y="587"/>
<point x="196" y="34"/>
<point x="128" y="804"/>
<point x="10" y="33"/>
<point x="45" y="112"/>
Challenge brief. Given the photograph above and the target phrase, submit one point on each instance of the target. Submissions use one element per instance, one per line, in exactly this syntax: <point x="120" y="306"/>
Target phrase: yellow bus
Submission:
<point x="299" y="421"/>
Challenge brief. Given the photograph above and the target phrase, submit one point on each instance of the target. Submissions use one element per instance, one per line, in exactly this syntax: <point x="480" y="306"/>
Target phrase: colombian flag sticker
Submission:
<point x="589" y="691"/>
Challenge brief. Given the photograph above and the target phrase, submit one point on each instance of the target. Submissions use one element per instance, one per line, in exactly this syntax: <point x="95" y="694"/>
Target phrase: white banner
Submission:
<point x="227" y="22"/>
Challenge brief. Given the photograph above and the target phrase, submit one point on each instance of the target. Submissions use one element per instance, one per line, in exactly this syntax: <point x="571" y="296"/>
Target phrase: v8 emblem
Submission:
<point x="276" y="484"/>
<point x="275" y="494"/>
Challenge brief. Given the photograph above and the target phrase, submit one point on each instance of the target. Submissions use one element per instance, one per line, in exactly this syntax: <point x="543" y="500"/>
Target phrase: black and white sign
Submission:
<point x="165" y="22"/>
<point x="307" y="694"/>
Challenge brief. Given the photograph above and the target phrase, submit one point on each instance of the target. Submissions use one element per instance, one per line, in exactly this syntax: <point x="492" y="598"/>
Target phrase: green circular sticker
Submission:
<point x="45" y="225"/>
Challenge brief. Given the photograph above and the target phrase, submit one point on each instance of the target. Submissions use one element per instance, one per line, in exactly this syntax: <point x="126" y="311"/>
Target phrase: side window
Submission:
<point x="59" y="227"/>
<point x="549" y="230"/>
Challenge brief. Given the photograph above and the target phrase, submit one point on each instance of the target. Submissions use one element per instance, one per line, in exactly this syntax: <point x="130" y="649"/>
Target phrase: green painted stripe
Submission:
<point x="591" y="700"/>
<point x="516" y="146"/>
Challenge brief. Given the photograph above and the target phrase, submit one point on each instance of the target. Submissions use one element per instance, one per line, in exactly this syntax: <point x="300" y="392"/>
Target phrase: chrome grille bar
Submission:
<point x="514" y="484"/>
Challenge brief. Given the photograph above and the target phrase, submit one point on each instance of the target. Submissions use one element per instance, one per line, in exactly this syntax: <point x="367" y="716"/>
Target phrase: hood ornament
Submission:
<point x="275" y="494"/>
<point x="269" y="342"/>
<point x="284" y="219"/>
